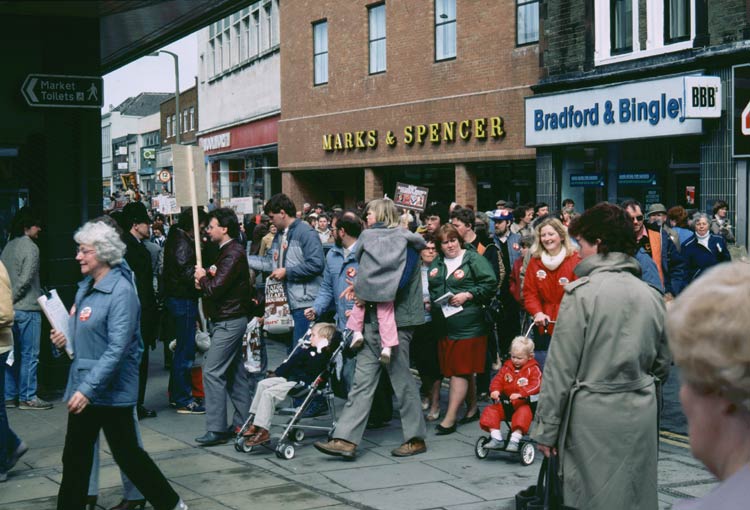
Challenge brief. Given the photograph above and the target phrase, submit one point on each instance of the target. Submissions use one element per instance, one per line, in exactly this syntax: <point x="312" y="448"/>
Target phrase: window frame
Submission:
<point x="169" y="127"/>
<point x="370" y="41"/>
<point x="524" y="3"/>
<point x="613" y="32"/>
<point x="437" y="24"/>
<point x="315" y="24"/>
<point x="673" y="40"/>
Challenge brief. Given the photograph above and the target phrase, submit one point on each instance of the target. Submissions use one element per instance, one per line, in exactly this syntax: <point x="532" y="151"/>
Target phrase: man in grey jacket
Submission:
<point x="295" y="257"/>
<point x="21" y="257"/>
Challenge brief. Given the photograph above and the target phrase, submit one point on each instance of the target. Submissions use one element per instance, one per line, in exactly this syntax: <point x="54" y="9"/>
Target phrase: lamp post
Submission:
<point x="178" y="114"/>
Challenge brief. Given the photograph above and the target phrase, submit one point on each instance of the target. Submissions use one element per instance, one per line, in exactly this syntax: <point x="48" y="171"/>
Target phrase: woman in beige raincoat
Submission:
<point x="598" y="404"/>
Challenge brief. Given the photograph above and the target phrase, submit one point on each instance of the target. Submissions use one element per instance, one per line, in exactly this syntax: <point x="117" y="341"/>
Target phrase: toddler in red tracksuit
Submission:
<point x="518" y="379"/>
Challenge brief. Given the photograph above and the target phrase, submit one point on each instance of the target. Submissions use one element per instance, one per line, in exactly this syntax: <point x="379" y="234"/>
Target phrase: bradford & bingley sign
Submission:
<point x="435" y="133"/>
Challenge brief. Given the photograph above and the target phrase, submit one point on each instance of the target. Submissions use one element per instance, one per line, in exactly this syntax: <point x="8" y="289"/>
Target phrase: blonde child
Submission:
<point x="304" y="365"/>
<point x="519" y="379"/>
<point x="387" y="257"/>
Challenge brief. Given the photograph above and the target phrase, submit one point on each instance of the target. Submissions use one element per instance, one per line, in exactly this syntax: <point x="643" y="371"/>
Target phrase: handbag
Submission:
<point x="547" y="494"/>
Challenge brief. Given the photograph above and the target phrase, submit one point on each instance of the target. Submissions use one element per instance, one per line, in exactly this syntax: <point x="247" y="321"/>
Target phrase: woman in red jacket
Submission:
<point x="553" y="259"/>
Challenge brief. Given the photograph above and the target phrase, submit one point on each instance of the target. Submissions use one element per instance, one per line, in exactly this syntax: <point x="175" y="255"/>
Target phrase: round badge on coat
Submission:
<point x="508" y="378"/>
<point x="351" y="272"/>
<point x="433" y="272"/>
<point x="458" y="274"/>
<point x="85" y="314"/>
<point x="563" y="281"/>
<point x="516" y="247"/>
<point x="523" y="381"/>
<point x="212" y="270"/>
<point x="541" y="274"/>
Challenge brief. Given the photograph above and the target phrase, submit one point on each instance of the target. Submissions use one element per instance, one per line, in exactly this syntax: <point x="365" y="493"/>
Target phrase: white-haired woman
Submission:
<point x="705" y="249"/>
<point x="708" y="339"/>
<point x="103" y="381"/>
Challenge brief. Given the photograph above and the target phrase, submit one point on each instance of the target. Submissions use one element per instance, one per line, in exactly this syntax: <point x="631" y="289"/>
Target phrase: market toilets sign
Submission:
<point x="645" y="109"/>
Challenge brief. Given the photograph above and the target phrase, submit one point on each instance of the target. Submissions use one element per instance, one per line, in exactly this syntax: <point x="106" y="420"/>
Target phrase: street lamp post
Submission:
<point x="176" y="90"/>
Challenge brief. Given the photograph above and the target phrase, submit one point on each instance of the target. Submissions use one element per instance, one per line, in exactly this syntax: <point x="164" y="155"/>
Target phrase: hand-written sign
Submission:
<point x="410" y="197"/>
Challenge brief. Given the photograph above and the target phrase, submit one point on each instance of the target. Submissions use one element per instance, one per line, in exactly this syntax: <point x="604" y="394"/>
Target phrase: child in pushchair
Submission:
<point x="515" y="388"/>
<point x="301" y="371"/>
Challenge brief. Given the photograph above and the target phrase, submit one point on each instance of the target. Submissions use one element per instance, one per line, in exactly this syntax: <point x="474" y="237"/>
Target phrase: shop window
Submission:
<point x="377" y="38"/>
<point x="445" y="29"/>
<point x="527" y="21"/>
<point x="676" y="20"/>
<point x="320" y="52"/>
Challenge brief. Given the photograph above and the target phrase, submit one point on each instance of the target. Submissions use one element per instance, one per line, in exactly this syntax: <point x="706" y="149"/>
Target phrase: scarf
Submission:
<point x="703" y="239"/>
<point x="553" y="262"/>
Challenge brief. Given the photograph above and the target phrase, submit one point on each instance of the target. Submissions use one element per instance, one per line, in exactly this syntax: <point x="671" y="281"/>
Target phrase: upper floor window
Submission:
<point x="192" y="118"/>
<point x="169" y="126"/>
<point x="632" y="29"/>
<point x="377" y="38"/>
<point x="527" y="21"/>
<point x="320" y="52"/>
<point x="676" y="20"/>
<point x="621" y="27"/>
<point x="445" y="29"/>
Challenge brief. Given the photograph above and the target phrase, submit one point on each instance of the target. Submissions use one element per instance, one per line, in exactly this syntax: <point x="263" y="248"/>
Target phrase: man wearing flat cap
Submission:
<point x="657" y="215"/>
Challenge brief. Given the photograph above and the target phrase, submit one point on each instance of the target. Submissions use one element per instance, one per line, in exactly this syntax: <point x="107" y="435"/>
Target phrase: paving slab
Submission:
<point x="49" y="503"/>
<point x="194" y="463"/>
<point x="280" y="497"/>
<point x="227" y="480"/>
<point x="21" y="488"/>
<point x="387" y="476"/>
<point x="411" y="497"/>
<point x="320" y="482"/>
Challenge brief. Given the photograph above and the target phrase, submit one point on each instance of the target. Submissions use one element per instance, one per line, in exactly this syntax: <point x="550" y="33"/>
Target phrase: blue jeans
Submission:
<point x="130" y="491"/>
<point x="184" y="312"/>
<point x="9" y="441"/>
<point x="20" y="379"/>
<point x="301" y="324"/>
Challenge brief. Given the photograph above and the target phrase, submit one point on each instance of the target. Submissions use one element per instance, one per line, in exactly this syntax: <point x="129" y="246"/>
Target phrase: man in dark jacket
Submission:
<point x="226" y="292"/>
<point x="136" y="227"/>
<point x="181" y="300"/>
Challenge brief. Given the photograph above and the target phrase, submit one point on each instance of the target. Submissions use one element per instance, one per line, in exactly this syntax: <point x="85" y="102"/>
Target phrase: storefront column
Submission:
<point x="466" y="186"/>
<point x="373" y="184"/>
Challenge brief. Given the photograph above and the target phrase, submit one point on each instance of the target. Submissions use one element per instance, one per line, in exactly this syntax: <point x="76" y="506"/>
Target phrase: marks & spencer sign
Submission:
<point x="645" y="109"/>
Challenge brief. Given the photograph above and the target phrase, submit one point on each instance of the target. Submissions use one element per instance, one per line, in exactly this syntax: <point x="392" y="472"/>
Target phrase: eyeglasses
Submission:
<point x="637" y="218"/>
<point x="84" y="251"/>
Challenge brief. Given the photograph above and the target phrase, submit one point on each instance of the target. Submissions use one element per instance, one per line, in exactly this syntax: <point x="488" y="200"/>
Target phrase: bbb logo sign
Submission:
<point x="702" y="97"/>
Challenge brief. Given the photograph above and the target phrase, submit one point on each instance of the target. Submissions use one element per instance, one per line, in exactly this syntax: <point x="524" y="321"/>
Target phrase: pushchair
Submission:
<point x="326" y="385"/>
<point x="526" y="450"/>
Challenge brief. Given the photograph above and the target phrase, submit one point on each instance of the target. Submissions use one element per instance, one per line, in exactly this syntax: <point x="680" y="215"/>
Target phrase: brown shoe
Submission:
<point x="251" y="431"/>
<point x="413" y="446"/>
<point x="337" y="448"/>
<point x="262" y="436"/>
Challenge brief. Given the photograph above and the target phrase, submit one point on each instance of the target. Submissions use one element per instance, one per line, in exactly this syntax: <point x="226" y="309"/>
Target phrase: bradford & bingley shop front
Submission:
<point x="657" y="140"/>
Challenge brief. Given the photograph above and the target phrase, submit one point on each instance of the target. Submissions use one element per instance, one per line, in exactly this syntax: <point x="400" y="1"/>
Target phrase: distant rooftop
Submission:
<point x="145" y="103"/>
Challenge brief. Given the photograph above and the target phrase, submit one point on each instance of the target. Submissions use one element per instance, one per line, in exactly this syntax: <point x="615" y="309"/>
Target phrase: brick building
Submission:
<point x="426" y="92"/>
<point x="635" y="101"/>
<point x="169" y="123"/>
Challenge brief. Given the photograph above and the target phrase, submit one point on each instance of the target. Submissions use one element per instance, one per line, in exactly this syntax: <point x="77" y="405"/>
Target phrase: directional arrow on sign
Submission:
<point x="63" y="91"/>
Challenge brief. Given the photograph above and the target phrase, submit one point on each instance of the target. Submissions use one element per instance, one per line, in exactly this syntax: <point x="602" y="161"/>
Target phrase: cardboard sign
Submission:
<point x="180" y="182"/>
<point x="409" y="196"/>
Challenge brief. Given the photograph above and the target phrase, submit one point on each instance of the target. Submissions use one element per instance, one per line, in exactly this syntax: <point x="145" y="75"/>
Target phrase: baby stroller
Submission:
<point x="526" y="450"/>
<point x="325" y="385"/>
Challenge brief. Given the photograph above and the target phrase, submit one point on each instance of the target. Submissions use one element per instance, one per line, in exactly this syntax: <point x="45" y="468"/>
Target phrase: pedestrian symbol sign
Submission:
<point x="62" y="91"/>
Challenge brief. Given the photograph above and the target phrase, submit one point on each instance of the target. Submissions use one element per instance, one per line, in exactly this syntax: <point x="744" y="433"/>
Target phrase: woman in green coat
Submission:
<point x="598" y="404"/>
<point x="465" y="281"/>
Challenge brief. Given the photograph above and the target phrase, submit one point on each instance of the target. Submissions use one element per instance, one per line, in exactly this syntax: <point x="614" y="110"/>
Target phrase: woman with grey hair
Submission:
<point x="103" y="380"/>
<point x="708" y="339"/>
<point x="704" y="249"/>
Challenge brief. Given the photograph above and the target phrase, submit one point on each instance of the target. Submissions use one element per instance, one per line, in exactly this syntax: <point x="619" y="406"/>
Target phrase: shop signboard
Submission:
<point x="241" y="206"/>
<point x="409" y="196"/>
<point x="626" y="111"/>
<point x="587" y="180"/>
<point x="702" y="98"/>
<point x="636" y="179"/>
<point x="741" y="111"/>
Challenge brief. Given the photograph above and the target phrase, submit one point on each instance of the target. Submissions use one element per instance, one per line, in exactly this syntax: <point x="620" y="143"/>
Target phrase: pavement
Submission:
<point x="448" y="476"/>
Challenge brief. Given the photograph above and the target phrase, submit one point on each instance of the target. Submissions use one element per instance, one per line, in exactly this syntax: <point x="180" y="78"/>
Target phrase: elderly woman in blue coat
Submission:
<point x="103" y="381"/>
<point x="704" y="249"/>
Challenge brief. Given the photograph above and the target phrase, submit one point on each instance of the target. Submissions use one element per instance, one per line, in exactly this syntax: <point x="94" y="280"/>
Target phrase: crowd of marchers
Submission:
<point x="552" y="322"/>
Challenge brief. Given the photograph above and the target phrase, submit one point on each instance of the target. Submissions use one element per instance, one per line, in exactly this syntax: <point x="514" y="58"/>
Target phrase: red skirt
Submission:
<point x="462" y="357"/>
